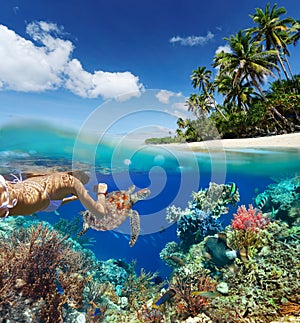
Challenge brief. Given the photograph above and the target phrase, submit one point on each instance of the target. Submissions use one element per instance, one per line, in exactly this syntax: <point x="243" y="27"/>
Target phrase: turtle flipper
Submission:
<point x="86" y="225"/>
<point x="135" y="227"/>
<point x="84" y="230"/>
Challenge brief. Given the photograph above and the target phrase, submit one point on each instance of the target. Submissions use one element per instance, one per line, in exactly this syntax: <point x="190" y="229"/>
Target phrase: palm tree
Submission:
<point x="181" y="123"/>
<point x="272" y="29"/>
<point x="237" y="94"/>
<point x="198" y="105"/>
<point x="248" y="63"/>
<point x="201" y="80"/>
<point x="295" y="30"/>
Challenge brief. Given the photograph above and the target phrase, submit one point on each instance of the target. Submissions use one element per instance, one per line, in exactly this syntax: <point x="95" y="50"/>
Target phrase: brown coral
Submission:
<point x="188" y="301"/>
<point x="38" y="267"/>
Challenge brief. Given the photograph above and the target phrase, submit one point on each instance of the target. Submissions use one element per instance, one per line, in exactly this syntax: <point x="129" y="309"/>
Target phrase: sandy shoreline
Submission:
<point x="281" y="141"/>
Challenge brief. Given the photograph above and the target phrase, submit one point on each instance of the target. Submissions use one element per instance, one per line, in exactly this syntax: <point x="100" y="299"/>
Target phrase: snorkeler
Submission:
<point x="47" y="193"/>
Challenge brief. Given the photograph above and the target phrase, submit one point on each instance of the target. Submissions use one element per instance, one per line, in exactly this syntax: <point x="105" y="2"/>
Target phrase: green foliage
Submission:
<point x="162" y="140"/>
<point x="248" y="111"/>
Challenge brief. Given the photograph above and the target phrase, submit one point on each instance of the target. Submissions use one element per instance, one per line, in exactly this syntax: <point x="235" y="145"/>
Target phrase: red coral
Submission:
<point x="250" y="219"/>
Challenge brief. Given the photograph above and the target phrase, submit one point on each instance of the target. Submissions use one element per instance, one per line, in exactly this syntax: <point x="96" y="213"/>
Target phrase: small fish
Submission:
<point x="261" y="202"/>
<point x="233" y="189"/>
<point x="207" y="294"/>
<point x="179" y="261"/>
<point x="243" y="255"/>
<point x="165" y="297"/>
<point x="97" y="312"/>
<point x="97" y="309"/>
<point x="59" y="288"/>
<point x="115" y="234"/>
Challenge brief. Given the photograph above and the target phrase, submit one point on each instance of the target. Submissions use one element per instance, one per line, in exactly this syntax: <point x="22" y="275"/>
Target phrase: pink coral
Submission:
<point x="250" y="219"/>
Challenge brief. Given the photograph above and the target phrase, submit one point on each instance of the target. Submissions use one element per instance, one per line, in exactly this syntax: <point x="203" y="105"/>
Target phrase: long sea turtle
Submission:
<point x="118" y="207"/>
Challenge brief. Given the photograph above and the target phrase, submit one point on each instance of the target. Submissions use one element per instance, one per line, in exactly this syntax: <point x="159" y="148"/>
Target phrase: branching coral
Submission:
<point x="215" y="199"/>
<point x="38" y="266"/>
<point x="251" y="219"/>
<point x="137" y="289"/>
<point x="193" y="227"/>
<point x="200" y="218"/>
<point x="248" y="229"/>
<point x="188" y="300"/>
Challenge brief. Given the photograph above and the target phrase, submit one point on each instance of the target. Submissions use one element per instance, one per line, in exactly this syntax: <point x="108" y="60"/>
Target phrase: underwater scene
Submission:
<point x="205" y="236"/>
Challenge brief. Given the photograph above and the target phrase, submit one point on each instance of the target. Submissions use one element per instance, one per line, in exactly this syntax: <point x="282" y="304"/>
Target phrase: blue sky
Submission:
<point x="62" y="59"/>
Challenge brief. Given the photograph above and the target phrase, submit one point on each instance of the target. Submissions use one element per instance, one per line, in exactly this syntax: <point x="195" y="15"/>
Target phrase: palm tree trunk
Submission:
<point x="271" y="107"/>
<point x="216" y="107"/>
<point x="289" y="66"/>
<point x="280" y="61"/>
<point x="282" y="65"/>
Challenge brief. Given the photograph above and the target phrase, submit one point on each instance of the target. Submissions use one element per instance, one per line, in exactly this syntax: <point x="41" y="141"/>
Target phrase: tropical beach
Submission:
<point x="274" y="142"/>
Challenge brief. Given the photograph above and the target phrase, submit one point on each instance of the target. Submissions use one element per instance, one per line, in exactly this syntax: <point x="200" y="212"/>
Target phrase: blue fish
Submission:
<point x="59" y="288"/>
<point x="165" y="297"/>
<point x="97" y="311"/>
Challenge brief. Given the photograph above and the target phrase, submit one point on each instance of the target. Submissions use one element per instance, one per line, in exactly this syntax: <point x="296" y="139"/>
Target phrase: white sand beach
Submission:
<point x="281" y="141"/>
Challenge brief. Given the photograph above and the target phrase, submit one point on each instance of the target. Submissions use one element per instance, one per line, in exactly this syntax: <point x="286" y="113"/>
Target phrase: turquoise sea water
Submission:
<point x="171" y="175"/>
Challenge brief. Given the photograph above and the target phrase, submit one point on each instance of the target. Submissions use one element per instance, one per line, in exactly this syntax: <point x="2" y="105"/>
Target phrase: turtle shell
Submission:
<point x="119" y="200"/>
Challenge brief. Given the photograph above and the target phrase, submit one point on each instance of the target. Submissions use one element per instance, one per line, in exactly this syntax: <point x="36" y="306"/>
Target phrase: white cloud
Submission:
<point x="180" y="106"/>
<point x="192" y="40"/>
<point x="47" y="65"/>
<point x="164" y="96"/>
<point x="225" y="49"/>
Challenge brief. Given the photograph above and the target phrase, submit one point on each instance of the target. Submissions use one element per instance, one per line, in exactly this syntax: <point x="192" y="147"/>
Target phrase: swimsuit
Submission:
<point x="53" y="205"/>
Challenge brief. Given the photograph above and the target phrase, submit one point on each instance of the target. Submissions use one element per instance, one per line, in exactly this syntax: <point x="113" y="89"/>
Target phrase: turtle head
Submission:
<point x="143" y="193"/>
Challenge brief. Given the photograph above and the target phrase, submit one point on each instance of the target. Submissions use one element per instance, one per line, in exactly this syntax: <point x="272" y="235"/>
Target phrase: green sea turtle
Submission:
<point x="118" y="207"/>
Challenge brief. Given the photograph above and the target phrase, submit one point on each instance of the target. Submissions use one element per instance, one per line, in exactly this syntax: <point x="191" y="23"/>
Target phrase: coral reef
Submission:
<point x="281" y="200"/>
<point x="215" y="199"/>
<point x="247" y="272"/>
<point x="250" y="219"/>
<point x="264" y="288"/>
<point x="188" y="300"/>
<point x="201" y="217"/>
<point x="263" y="284"/>
<point x="38" y="268"/>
